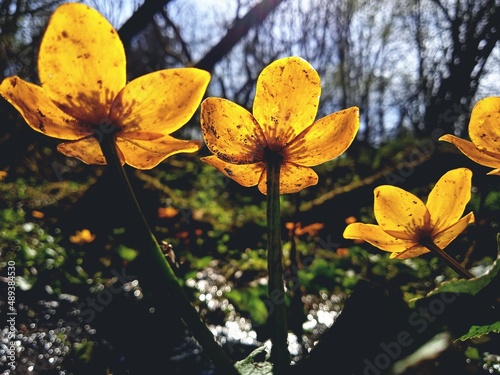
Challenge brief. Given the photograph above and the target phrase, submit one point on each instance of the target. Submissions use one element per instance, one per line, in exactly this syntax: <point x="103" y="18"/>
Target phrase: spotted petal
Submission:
<point x="412" y="252"/>
<point x="448" y="198"/>
<point x="40" y="112"/>
<point x="147" y="154"/>
<point x="374" y="235"/>
<point x="293" y="178"/>
<point x="160" y="102"/>
<point x="469" y="149"/>
<point x="244" y="174"/>
<point x="286" y="99"/>
<point x="86" y="149"/>
<point x="81" y="62"/>
<point x="483" y="126"/>
<point x="445" y="237"/>
<point x="400" y="213"/>
<point x="326" y="139"/>
<point x="231" y="132"/>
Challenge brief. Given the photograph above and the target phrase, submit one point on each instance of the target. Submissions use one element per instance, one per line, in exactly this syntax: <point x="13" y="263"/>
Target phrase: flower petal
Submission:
<point x="470" y="150"/>
<point x="160" y="102"/>
<point x="483" y="126"/>
<point x="81" y="62"/>
<point x="293" y="178"/>
<point x="448" y="198"/>
<point x="147" y="154"/>
<point x="142" y="136"/>
<point x="244" y="174"/>
<point x="286" y="99"/>
<point x="412" y="252"/>
<point x="40" y="112"/>
<point x="324" y="140"/>
<point x="374" y="235"/>
<point x="86" y="149"/>
<point x="495" y="172"/>
<point x="400" y="213"/>
<point x="231" y="132"/>
<point x="445" y="237"/>
<point x="442" y="240"/>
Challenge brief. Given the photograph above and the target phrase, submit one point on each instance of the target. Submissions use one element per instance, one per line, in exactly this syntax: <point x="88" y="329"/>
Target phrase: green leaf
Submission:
<point x="84" y="350"/>
<point x="251" y="301"/>
<point x="472" y="353"/>
<point x="472" y="286"/>
<point x="476" y="332"/>
<point x="249" y="365"/>
<point x="127" y="253"/>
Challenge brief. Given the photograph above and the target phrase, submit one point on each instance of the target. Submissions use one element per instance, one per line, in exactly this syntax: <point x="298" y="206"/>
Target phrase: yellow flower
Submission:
<point x="82" y="237"/>
<point x="84" y="94"/>
<point x="3" y="174"/>
<point x="404" y="221"/>
<point x="283" y="124"/>
<point x="484" y="132"/>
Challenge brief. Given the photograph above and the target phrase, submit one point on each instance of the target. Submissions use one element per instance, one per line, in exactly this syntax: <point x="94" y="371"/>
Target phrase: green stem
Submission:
<point x="429" y="244"/>
<point x="280" y="357"/>
<point x="183" y="306"/>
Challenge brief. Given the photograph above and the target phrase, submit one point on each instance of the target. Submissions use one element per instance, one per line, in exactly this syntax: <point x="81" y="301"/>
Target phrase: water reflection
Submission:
<point x="211" y="285"/>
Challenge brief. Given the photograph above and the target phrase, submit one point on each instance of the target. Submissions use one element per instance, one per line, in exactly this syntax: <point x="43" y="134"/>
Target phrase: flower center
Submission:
<point x="272" y="155"/>
<point x="104" y="127"/>
<point x="423" y="233"/>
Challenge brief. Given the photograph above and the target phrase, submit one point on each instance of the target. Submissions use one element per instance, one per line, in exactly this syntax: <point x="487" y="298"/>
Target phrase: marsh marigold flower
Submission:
<point x="405" y="222"/>
<point x="84" y="94"/>
<point x="484" y="132"/>
<point x="282" y="125"/>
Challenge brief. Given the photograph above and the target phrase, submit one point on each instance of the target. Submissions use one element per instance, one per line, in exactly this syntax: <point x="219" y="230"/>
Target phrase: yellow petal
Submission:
<point x="244" y="174"/>
<point x="400" y="213"/>
<point x="374" y="235"/>
<point x="445" y="237"/>
<point x="470" y="150"/>
<point x="148" y="154"/>
<point x="160" y="102"/>
<point x="87" y="150"/>
<point x="40" y="112"/>
<point x="448" y="198"/>
<point x="483" y="126"/>
<point x="81" y="62"/>
<point x="495" y="172"/>
<point x="142" y="136"/>
<point x="324" y="140"/>
<point x="286" y="99"/>
<point x="231" y="132"/>
<point x="412" y="252"/>
<point x="293" y="178"/>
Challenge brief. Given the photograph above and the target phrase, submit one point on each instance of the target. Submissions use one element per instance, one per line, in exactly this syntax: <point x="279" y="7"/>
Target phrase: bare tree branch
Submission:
<point x="240" y="28"/>
<point x="140" y="19"/>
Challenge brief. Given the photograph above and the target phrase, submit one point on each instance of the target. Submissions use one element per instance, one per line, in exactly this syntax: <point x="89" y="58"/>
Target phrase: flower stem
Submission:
<point x="429" y="244"/>
<point x="280" y="357"/>
<point x="183" y="306"/>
